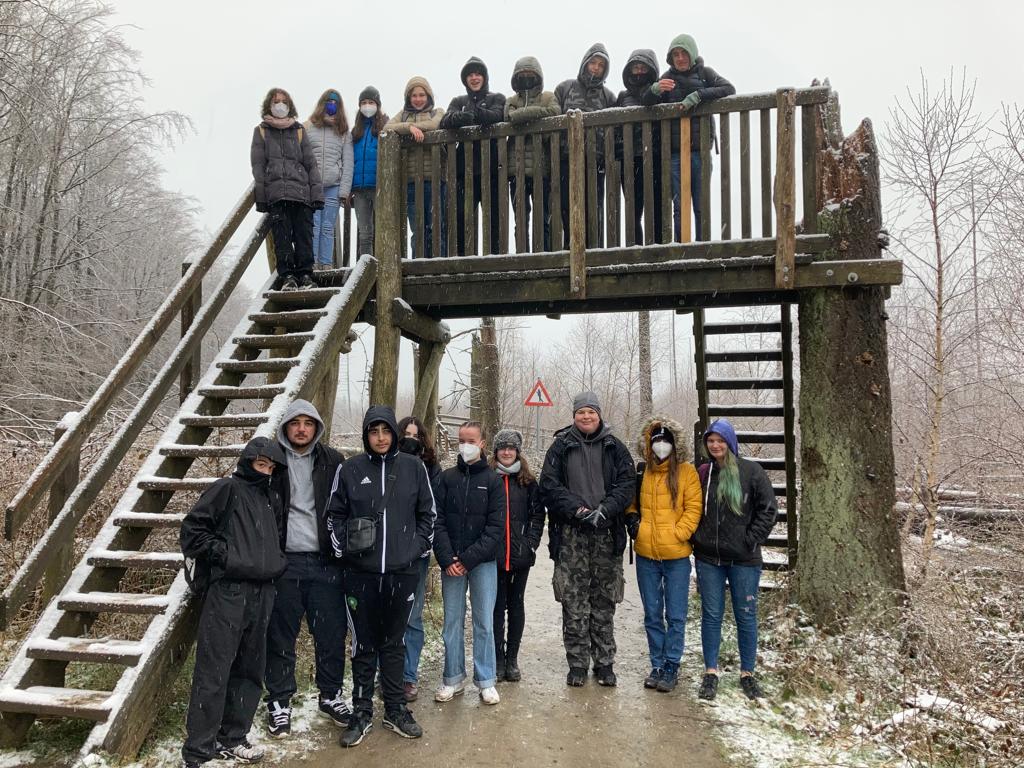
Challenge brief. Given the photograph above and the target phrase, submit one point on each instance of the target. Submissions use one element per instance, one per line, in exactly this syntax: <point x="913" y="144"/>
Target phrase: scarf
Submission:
<point x="512" y="469"/>
<point x="279" y="122"/>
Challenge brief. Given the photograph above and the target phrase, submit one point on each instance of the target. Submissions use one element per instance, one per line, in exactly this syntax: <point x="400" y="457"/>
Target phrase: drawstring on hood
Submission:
<point x="585" y="78"/>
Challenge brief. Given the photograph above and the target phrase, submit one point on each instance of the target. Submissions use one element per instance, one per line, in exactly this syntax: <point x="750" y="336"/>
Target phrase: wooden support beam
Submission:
<point x="785" y="189"/>
<point x="194" y="367"/>
<point x="58" y="567"/>
<point x="577" y="206"/>
<point x="388" y="250"/>
<point x="418" y="325"/>
<point x="430" y="356"/>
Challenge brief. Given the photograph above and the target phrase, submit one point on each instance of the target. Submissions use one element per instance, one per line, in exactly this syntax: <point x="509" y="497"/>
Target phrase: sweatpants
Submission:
<point x="230" y="658"/>
<point x="511" y="599"/>
<point x="292" y="225"/>
<point x="378" y="611"/>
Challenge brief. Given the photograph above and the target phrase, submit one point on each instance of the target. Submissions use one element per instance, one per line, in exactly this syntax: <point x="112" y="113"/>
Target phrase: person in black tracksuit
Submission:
<point x="235" y="528"/>
<point x="380" y="583"/>
<point x="311" y="584"/>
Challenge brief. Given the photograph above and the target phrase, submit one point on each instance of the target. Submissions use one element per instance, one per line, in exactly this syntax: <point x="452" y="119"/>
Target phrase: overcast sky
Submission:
<point x="214" y="61"/>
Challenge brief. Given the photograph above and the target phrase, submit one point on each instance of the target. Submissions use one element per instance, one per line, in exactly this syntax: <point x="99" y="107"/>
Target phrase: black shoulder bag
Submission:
<point x="361" y="532"/>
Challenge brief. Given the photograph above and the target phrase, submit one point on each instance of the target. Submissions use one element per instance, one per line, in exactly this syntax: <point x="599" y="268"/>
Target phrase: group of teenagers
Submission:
<point x="304" y="172"/>
<point x="298" y="531"/>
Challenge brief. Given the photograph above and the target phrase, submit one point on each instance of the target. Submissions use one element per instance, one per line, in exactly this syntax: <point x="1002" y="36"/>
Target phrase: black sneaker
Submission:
<point x="402" y="722"/>
<point x="306" y="281"/>
<point x="289" y="284"/>
<point x="337" y="709"/>
<point x="605" y="675"/>
<point x="576" y="677"/>
<point x="669" y="677"/>
<point x="652" y="680"/>
<point x="708" y="687"/>
<point x="750" y="687"/>
<point x="240" y="753"/>
<point x="279" y="720"/>
<point x="189" y="763"/>
<point x="359" y="725"/>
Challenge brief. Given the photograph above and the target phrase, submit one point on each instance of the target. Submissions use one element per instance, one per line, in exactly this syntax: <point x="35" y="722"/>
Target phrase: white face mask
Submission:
<point x="469" y="452"/>
<point x="368" y="110"/>
<point x="661" y="449"/>
<point x="280" y="109"/>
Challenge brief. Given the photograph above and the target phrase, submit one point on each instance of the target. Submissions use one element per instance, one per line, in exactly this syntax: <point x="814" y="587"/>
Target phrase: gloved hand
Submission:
<point x="318" y="205"/>
<point x="595" y="517"/>
<point x="633" y="526"/>
<point x="262" y="207"/>
<point x="691" y="101"/>
<point x="461" y="118"/>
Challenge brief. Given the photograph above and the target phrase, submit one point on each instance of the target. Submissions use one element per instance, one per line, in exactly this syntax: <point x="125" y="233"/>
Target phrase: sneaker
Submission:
<point x="359" y="725"/>
<point x="449" y="692"/>
<point x="279" y="720"/>
<point x="410" y="691"/>
<point x="489" y="695"/>
<point x="605" y="675"/>
<point x="669" y="677"/>
<point x="750" y="687"/>
<point x="289" y="284"/>
<point x="189" y="763"/>
<point x="240" y="753"/>
<point x="708" y="687"/>
<point x="652" y="680"/>
<point x="403" y="723"/>
<point x="576" y="677"/>
<point x="306" y="281"/>
<point x="337" y="709"/>
<point x="512" y="673"/>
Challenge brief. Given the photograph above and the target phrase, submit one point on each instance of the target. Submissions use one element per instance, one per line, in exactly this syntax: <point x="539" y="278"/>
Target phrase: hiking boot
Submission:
<point x="289" y="284"/>
<point x="489" y="695"/>
<point x="750" y="687"/>
<point x="337" y="709"/>
<point x="448" y="692"/>
<point x="499" y="665"/>
<point x="359" y="725"/>
<point x="402" y="722"/>
<point x="240" y="753"/>
<point x="306" y="281"/>
<point x="576" y="677"/>
<point x="512" y="673"/>
<point x="669" y="677"/>
<point x="410" y="691"/>
<point x="708" y="687"/>
<point x="279" y="720"/>
<point x="652" y="680"/>
<point x="605" y="675"/>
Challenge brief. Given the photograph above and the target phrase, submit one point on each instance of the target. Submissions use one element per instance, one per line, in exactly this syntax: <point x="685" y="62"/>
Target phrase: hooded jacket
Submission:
<point x="724" y="537"/>
<point x="283" y="167"/>
<point x="525" y="105"/>
<point x="588" y="94"/>
<point x="475" y="108"/>
<point x="426" y="119"/>
<point x="666" y="528"/>
<point x="405" y="528"/>
<point x="236" y="523"/>
<point x="522" y="523"/>
<point x="470" y="506"/>
<point x="318" y="468"/>
<point x="633" y="96"/>
<point x="333" y="156"/>
<point x="698" y="78"/>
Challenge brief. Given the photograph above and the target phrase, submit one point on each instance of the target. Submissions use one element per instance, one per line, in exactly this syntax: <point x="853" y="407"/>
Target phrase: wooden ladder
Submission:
<point x="141" y="634"/>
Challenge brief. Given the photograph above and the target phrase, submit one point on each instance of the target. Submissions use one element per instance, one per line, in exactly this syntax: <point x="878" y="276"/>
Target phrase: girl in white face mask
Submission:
<point x="661" y="521"/>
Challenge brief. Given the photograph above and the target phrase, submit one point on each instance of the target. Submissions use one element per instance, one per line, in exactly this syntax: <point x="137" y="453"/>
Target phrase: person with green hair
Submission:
<point x="739" y="512"/>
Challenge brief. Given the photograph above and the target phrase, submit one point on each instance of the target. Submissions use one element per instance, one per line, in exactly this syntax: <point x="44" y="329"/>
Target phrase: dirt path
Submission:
<point x="540" y="721"/>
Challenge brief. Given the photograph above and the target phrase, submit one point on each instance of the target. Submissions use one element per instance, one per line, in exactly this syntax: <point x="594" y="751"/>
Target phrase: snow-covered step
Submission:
<point x="299" y="318"/>
<point x="744" y="383"/>
<point x="777" y="541"/>
<point x="745" y="436"/>
<point x="103" y="651"/>
<point x="743" y="356"/>
<point x="151" y="483"/>
<point x="305" y="299"/>
<point x="746" y="410"/>
<point x="113" y="602"/>
<point x="780" y="490"/>
<point x="148" y="520"/>
<point x="62" y="702"/>
<point x="261" y="392"/>
<point x="732" y="328"/>
<point x="195" y="451"/>
<point x="272" y="340"/>
<point x="226" y="420"/>
<point x="769" y="463"/>
<point x="266" y="365"/>
<point x="146" y="561"/>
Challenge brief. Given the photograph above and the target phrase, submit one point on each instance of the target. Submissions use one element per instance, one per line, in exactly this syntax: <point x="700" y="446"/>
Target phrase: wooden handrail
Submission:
<point x="51" y="466"/>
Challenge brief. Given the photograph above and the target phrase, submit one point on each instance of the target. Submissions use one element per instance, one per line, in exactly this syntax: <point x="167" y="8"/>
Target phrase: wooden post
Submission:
<point x="685" y="199"/>
<point x="387" y="249"/>
<point x="59" y="566"/>
<point x="577" y="206"/>
<point x="271" y="253"/>
<point x="430" y="355"/>
<point x="193" y="368"/>
<point x="324" y="396"/>
<point x="485" y="383"/>
<point x="785" y="189"/>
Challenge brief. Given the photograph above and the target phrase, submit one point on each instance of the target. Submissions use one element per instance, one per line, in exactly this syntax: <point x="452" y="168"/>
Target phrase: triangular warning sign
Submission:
<point x="538" y="395"/>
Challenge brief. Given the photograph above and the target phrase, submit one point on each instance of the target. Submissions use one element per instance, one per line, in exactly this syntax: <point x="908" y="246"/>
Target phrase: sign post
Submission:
<point x="538" y="398"/>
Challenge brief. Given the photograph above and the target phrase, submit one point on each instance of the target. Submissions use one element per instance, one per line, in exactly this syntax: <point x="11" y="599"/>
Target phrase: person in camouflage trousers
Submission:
<point x="587" y="481"/>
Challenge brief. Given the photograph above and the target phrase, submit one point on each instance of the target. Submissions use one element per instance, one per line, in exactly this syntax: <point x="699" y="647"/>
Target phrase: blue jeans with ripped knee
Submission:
<point x="743" y="583"/>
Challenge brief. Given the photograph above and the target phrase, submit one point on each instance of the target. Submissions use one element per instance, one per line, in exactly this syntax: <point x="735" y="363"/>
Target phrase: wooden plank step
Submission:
<point x="775" y="565"/>
<point x="309" y="298"/>
<point x="744" y="383"/>
<point x="266" y="365"/>
<point x="261" y="392"/>
<point x="103" y="651"/>
<point x="743" y="356"/>
<point x="272" y="340"/>
<point x="146" y="561"/>
<point x="769" y="463"/>
<point x="748" y="409"/>
<point x="149" y="520"/>
<point x="711" y="329"/>
<point x="777" y="541"/>
<point x="153" y="483"/>
<point x="761" y="437"/>
<point x="780" y="490"/>
<point x="61" y="702"/>
<point x="195" y="451"/>
<point x="227" y="420"/>
<point x="299" y="318"/>
<point x="113" y="602"/>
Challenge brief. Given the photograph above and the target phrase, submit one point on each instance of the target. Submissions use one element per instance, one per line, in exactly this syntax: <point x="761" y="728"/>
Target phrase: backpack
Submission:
<point x="198" y="570"/>
<point x="263" y="133"/>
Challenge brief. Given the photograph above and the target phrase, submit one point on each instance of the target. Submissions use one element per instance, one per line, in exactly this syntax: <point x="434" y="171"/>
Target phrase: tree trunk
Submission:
<point x="485" y="383"/>
<point x="644" y="339"/>
<point x="850" y="553"/>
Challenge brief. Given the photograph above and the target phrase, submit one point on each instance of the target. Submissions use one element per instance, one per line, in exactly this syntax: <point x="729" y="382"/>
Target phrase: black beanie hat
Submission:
<point x="371" y="93"/>
<point x="661" y="433"/>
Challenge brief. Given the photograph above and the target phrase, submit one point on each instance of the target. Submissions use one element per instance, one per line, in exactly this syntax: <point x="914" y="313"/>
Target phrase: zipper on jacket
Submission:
<point x="508" y="528"/>
<point x="383" y="515"/>
<point x="718" y="518"/>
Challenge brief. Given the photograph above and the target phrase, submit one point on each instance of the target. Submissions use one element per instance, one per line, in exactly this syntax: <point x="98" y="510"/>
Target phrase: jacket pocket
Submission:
<point x="618" y="587"/>
<point x="558" y="581"/>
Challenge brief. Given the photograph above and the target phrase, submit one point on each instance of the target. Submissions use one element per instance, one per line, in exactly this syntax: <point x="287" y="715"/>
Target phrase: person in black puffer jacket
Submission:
<point x="640" y="72"/>
<point x="478" y="107"/>
<point x="517" y="548"/>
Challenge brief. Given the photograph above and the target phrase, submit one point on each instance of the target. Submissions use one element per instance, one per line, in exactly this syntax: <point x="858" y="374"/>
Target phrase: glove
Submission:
<point x="595" y="517"/>
<point x="317" y="205"/>
<point x="691" y="101"/>
<point x="262" y="207"/>
<point x="460" y="119"/>
<point x="633" y="526"/>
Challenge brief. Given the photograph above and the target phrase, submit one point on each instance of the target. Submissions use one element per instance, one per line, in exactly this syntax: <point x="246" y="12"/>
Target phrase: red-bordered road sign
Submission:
<point x="538" y="395"/>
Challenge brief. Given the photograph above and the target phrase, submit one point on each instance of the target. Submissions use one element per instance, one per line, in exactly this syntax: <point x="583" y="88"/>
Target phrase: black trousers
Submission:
<point x="511" y="599"/>
<point x="461" y="213"/>
<point x="587" y="213"/>
<point x="230" y="658"/>
<point x="378" y="611"/>
<point x="292" y="225"/>
<point x="310" y="587"/>
<point x="531" y="197"/>
<point x="639" y="202"/>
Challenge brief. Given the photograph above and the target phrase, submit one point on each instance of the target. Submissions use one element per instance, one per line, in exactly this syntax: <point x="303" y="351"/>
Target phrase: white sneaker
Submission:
<point x="490" y="695"/>
<point x="448" y="692"/>
<point x="241" y="753"/>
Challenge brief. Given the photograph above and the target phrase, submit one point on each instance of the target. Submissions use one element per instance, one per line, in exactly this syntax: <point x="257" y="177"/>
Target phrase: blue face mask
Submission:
<point x="331" y="108"/>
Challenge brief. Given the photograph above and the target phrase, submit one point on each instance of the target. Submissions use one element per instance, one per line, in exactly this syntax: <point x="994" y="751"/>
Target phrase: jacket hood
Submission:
<point x="644" y="56"/>
<point x="377" y="413"/>
<point x="475" y="63"/>
<point x="296" y="409"/>
<point x="522" y="65"/>
<point x="260" y="446"/>
<point x="422" y="82"/>
<point x="724" y="429"/>
<point x="597" y="49"/>
<point x="679" y="438"/>
<point x="688" y="44"/>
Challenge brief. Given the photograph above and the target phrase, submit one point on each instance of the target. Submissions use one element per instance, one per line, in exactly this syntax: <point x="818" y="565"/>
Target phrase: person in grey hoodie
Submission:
<point x="328" y="133"/>
<point x="311" y="585"/>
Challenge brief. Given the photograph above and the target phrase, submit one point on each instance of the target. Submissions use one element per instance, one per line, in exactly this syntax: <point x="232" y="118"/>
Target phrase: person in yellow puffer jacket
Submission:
<point x="669" y="510"/>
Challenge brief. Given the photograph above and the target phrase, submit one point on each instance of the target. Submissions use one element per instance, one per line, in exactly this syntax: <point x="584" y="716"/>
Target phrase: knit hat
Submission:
<point x="586" y="400"/>
<point x="508" y="438"/>
<point x="371" y="93"/>
<point x="661" y="433"/>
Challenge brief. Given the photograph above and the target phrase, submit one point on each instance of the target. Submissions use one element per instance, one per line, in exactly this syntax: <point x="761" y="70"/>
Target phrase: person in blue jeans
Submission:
<point x="470" y="515"/>
<point x="738" y="515"/>
<point x="328" y="133"/>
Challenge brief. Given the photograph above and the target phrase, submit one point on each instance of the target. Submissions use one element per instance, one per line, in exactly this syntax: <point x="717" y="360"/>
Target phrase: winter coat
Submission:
<point x="632" y="96"/>
<point x="700" y="78"/>
<point x="364" y="152"/>
<point x="475" y="108"/>
<point x="527" y="105"/>
<point x="470" y="505"/>
<point x="561" y="503"/>
<point x="426" y="119"/>
<point x="588" y="94"/>
<point x="283" y="167"/>
<point x="236" y="523"/>
<point x="522" y="523"/>
<point x="334" y="156"/>
<point x="405" y="528"/>
<point x="666" y="528"/>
